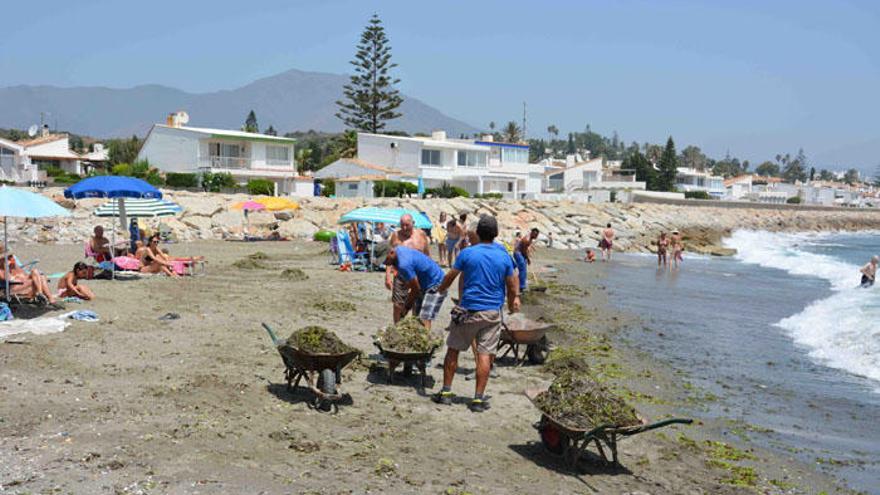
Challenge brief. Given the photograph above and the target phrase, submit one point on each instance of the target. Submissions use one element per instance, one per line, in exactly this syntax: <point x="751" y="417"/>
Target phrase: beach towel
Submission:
<point x="127" y="263"/>
<point x="83" y="315"/>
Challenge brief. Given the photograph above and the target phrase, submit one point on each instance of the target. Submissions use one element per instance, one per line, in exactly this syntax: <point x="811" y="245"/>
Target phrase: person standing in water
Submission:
<point x="869" y="273"/>
<point x="677" y="248"/>
<point x="607" y="242"/>
<point x="662" y="247"/>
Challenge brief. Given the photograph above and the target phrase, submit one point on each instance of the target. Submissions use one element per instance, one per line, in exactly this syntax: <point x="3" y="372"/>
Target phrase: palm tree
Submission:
<point x="512" y="133"/>
<point x="492" y="126"/>
<point x="553" y="131"/>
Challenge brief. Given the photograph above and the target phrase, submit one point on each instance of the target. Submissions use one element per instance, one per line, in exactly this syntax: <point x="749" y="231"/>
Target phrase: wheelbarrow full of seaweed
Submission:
<point x="407" y="343"/>
<point x="577" y="411"/>
<point x="322" y="371"/>
<point x="526" y="339"/>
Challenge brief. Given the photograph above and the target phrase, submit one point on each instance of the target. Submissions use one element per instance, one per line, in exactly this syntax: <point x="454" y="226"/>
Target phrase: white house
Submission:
<point x="595" y="179"/>
<point x="28" y="160"/>
<point x="353" y="167"/>
<point x="477" y="166"/>
<point x="173" y="147"/>
<point x="689" y="179"/>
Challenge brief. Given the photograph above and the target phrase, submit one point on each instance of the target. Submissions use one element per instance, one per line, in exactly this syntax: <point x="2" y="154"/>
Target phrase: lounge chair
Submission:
<point x="347" y="254"/>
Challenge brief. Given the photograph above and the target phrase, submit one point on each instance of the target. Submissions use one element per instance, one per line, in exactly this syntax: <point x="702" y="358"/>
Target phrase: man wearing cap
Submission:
<point x="488" y="274"/>
<point x="407" y="235"/>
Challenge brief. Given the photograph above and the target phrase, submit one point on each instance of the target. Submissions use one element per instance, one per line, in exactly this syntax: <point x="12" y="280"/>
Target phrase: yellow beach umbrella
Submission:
<point x="278" y="203"/>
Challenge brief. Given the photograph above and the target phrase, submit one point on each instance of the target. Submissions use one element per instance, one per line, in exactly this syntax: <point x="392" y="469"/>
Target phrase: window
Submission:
<point x="353" y="186"/>
<point x="278" y="154"/>
<point x="7" y="157"/>
<point x="471" y="159"/>
<point x="431" y="157"/>
<point x="514" y="155"/>
<point x="225" y="149"/>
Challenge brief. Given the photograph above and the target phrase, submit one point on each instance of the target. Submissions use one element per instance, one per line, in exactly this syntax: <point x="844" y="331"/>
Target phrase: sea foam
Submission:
<point x="842" y="330"/>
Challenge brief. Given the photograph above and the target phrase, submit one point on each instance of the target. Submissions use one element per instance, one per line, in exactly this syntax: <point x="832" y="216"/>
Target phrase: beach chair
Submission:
<point x="347" y="253"/>
<point x="91" y="254"/>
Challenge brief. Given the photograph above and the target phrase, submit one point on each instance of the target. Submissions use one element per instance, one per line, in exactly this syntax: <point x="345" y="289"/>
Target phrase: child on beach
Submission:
<point x="69" y="285"/>
<point x="590" y="256"/>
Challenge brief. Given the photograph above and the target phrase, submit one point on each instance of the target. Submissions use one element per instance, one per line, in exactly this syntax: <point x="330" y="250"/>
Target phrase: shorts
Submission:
<point x="484" y="326"/>
<point x="451" y="244"/>
<point x="866" y="282"/>
<point x="399" y="291"/>
<point x="429" y="304"/>
<point x="605" y="244"/>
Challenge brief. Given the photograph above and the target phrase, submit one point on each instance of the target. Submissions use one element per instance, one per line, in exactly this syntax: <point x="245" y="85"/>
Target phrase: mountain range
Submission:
<point x="289" y="101"/>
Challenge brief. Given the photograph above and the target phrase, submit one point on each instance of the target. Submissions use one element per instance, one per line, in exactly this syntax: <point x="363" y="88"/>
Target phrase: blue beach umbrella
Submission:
<point x="20" y="203"/>
<point x="111" y="186"/>
<point x="421" y="188"/>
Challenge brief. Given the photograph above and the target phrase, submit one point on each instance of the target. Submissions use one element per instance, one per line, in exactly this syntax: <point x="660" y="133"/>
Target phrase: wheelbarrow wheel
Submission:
<point x="554" y="440"/>
<point x="537" y="353"/>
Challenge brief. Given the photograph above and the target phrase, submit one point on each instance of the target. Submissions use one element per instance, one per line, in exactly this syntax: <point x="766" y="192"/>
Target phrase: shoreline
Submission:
<point x="137" y="404"/>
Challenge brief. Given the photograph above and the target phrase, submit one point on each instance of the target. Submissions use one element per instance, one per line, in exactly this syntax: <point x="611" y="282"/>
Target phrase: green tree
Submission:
<point x="123" y="150"/>
<point x="492" y="126"/>
<point x="877" y="177"/>
<point x="825" y="175"/>
<point x="693" y="157"/>
<point x="644" y="170"/>
<point x="851" y="176"/>
<point x="370" y="98"/>
<point x="668" y="167"/>
<point x="572" y="148"/>
<point x="794" y="169"/>
<point x="512" y="133"/>
<point x="261" y="187"/>
<point x="767" y="169"/>
<point x="250" y="123"/>
<point x="271" y="131"/>
<point x="552" y="132"/>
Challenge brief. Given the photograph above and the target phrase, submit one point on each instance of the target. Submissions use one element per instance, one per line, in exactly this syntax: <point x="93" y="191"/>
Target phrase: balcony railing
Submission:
<point x="224" y="162"/>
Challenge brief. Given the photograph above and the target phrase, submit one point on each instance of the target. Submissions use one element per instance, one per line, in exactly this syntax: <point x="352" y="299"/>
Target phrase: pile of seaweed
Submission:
<point x="579" y="401"/>
<point x="317" y="340"/>
<point x="294" y="274"/>
<point x="408" y="335"/>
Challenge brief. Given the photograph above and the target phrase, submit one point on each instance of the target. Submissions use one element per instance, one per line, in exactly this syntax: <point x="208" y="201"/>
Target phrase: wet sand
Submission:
<point x="134" y="404"/>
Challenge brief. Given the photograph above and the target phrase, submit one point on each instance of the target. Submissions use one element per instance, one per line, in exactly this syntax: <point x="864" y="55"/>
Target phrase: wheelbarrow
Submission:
<point x="322" y="372"/>
<point x="519" y="332"/>
<point x="419" y="360"/>
<point x="570" y="443"/>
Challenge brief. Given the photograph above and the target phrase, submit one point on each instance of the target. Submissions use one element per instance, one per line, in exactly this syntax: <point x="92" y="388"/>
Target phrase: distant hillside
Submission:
<point x="292" y="100"/>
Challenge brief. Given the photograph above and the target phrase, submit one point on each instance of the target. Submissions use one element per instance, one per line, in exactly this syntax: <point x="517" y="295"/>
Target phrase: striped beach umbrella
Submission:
<point x="390" y="216"/>
<point x="139" y="208"/>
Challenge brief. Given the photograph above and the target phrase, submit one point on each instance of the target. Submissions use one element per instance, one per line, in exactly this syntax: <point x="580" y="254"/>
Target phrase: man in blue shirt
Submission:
<point x="488" y="276"/>
<point x="422" y="276"/>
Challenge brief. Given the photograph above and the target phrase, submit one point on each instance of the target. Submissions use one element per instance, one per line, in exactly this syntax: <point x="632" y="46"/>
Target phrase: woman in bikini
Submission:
<point x="31" y="285"/>
<point x="453" y="239"/>
<point x="69" y="285"/>
<point x="439" y="234"/>
<point x="153" y="260"/>
<point x="677" y="248"/>
<point x="662" y="247"/>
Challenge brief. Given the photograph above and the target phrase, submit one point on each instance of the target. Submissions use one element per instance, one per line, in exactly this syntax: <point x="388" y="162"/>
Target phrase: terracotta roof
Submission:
<point x="42" y="140"/>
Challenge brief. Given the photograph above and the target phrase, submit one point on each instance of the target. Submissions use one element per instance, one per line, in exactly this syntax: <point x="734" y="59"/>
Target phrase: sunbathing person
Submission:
<point x="31" y="285"/>
<point x="100" y="245"/>
<point x="153" y="260"/>
<point x="69" y="285"/>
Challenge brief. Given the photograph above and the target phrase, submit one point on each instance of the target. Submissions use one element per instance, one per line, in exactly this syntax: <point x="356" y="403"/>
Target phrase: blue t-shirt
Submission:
<point x="484" y="268"/>
<point x="414" y="264"/>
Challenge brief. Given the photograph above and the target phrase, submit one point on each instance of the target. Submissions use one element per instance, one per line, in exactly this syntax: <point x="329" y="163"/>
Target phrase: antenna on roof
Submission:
<point x="32" y="130"/>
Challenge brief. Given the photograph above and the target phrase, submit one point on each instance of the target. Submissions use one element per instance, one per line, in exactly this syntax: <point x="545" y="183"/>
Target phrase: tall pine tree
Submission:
<point x="668" y="167"/>
<point x="371" y="98"/>
<point x="250" y="123"/>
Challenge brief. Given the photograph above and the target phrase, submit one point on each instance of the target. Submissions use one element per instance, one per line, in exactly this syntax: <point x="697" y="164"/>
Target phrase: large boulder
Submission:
<point x="202" y="205"/>
<point x="297" y="228"/>
<point x="228" y="220"/>
<point x="197" y="222"/>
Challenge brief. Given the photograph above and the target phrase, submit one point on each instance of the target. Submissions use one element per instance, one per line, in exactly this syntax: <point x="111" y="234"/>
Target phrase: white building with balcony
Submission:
<point x="477" y="166"/>
<point x="594" y="180"/>
<point x="689" y="179"/>
<point x="245" y="155"/>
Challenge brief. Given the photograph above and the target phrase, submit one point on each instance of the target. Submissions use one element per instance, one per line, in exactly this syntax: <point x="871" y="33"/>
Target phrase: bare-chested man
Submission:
<point x="407" y="235"/>
<point x="607" y="242"/>
<point x="522" y="257"/>
<point x="869" y="272"/>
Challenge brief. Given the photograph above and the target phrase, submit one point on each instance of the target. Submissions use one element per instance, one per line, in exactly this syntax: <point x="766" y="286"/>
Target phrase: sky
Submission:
<point x="752" y="78"/>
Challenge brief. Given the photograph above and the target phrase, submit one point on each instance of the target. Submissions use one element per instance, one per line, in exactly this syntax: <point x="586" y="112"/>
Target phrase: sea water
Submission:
<point x="780" y="333"/>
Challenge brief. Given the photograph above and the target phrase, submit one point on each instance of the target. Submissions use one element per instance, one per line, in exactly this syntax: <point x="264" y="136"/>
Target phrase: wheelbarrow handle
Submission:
<point x="272" y="334"/>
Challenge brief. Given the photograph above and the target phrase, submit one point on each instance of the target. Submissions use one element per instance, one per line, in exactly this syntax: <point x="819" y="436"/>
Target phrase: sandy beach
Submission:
<point x="135" y="404"/>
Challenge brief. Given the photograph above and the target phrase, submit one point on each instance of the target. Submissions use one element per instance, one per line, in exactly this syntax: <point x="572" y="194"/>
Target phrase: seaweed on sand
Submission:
<point x="259" y="255"/>
<point x="249" y="264"/>
<point x="577" y="400"/>
<point x="408" y="335"/>
<point x="330" y="306"/>
<point x="294" y="274"/>
<point x="317" y="340"/>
